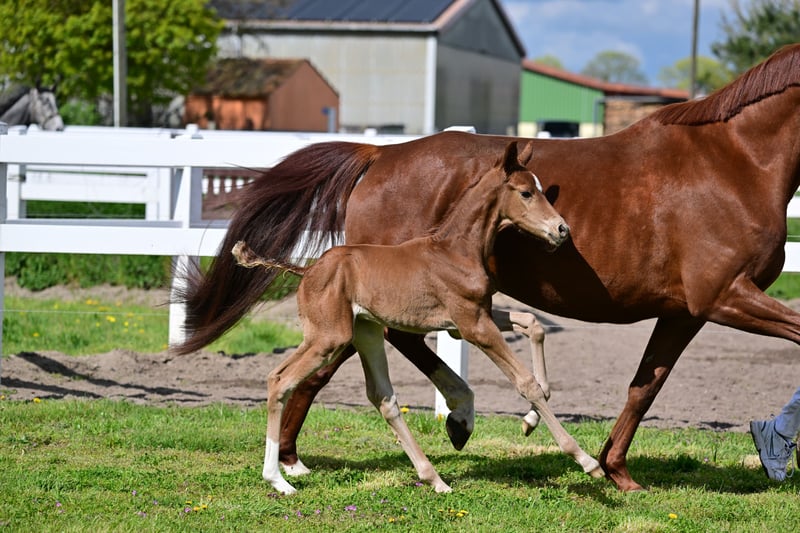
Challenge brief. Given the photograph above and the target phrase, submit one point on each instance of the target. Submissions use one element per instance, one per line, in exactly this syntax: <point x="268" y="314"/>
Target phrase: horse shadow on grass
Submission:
<point x="540" y="472"/>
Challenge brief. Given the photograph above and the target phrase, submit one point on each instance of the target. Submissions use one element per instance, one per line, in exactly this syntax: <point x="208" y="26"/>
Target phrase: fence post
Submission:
<point x="188" y="209"/>
<point x="454" y="352"/>
<point x="3" y="212"/>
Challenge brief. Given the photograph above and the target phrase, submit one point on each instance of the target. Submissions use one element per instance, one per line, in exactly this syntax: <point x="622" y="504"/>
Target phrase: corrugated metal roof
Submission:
<point x="406" y="11"/>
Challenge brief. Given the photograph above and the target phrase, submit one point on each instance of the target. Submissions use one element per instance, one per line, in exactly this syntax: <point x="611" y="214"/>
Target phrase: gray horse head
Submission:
<point x="31" y="106"/>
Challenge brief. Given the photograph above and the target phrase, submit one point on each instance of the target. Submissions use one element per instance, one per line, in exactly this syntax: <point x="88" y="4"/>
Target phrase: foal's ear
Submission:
<point x="512" y="159"/>
<point x="526" y="154"/>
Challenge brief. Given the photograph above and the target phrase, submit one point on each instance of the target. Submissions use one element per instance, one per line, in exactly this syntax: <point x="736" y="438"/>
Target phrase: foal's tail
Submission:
<point x="249" y="259"/>
<point x="307" y="191"/>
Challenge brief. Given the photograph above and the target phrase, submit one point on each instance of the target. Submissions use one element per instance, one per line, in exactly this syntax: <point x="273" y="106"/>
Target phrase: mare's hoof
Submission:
<point x="457" y="431"/>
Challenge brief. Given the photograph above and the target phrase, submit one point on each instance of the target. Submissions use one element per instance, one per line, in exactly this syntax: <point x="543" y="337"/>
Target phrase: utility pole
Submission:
<point x="693" y="76"/>
<point x="120" y="65"/>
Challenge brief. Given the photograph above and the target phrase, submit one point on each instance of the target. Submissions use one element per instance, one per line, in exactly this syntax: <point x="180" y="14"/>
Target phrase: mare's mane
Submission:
<point x="11" y="96"/>
<point x="779" y="72"/>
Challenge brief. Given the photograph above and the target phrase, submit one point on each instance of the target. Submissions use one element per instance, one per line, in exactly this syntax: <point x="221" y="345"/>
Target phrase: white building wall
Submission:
<point x="381" y="79"/>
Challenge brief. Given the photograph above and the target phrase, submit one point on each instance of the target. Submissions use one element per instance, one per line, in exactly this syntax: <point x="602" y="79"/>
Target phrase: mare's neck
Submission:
<point x="766" y="132"/>
<point x="19" y="113"/>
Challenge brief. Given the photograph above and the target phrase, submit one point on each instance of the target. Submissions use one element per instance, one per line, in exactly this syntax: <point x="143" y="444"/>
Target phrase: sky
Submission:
<point x="656" y="32"/>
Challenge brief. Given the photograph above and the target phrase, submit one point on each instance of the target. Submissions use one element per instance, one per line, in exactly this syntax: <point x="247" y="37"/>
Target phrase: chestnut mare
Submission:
<point x="681" y="216"/>
<point x="436" y="282"/>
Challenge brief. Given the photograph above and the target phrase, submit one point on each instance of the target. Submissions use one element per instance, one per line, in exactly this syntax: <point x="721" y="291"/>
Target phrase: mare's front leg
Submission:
<point x="368" y="340"/>
<point x="527" y="324"/>
<point x="484" y="334"/>
<point x="668" y="340"/>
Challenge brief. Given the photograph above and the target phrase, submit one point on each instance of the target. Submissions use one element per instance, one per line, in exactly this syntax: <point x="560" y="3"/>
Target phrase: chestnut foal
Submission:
<point x="437" y="282"/>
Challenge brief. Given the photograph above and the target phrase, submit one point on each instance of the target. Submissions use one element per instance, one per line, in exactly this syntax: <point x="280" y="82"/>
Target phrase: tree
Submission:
<point x="69" y="43"/>
<point x="615" y="67"/>
<point x="711" y="75"/>
<point x="754" y="32"/>
<point x="550" y="60"/>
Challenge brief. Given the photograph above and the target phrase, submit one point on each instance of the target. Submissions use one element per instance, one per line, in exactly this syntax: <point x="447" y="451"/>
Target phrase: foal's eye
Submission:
<point x="526" y="194"/>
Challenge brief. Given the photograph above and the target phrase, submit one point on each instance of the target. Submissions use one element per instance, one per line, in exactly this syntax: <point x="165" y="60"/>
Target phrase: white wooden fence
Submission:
<point x="162" y="169"/>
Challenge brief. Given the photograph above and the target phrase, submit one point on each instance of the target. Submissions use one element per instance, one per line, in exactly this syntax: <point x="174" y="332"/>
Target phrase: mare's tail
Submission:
<point x="249" y="259"/>
<point x="307" y="191"/>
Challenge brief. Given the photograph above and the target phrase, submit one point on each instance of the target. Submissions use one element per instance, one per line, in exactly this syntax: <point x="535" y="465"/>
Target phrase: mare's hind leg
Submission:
<point x="459" y="397"/>
<point x="368" y="340"/>
<point x="527" y="324"/>
<point x="484" y="334"/>
<point x="296" y="410"/>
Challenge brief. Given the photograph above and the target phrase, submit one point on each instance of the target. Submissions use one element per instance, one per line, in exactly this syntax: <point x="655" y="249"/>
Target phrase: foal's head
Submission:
<point x="522" y="202"/>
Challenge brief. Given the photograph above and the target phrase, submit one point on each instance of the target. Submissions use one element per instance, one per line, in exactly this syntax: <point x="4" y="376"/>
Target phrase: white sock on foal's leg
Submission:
<point x="272" y="472"/>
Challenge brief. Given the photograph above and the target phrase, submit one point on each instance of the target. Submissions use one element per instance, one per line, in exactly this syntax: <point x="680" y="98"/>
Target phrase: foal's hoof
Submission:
<point x="296" y="469"/>
<point x="529" y="422"/>
<point x="593" y="468"/>
<point x="457" y="431"/>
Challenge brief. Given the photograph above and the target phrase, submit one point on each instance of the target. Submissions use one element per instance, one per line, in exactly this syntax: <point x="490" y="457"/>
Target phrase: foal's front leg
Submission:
<point x="484" y="334"/>
<point x="368" y="340"/>
<point x="527" y="324"/>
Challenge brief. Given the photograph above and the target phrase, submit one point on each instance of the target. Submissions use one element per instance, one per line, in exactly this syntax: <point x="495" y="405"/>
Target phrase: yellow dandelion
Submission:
<point x="35" y="333"/>
<point x="672" y="516"/>
<point x="111" y="319"/>
<point x="91" y="302"/>
<point x="391" y="520"/>
<point x="37" y="400"/>
<point x="404" y="409"/>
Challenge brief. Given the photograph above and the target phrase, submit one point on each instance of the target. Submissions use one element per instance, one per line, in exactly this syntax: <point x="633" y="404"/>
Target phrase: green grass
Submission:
<point x="92" y="326"/>
<point x="103" y="466"/>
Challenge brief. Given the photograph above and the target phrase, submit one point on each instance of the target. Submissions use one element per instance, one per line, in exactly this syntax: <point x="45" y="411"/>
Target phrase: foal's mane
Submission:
<point x="776" y="74"/>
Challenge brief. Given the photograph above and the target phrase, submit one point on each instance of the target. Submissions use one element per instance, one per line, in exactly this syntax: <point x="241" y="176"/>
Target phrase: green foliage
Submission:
<point x="615" y="67"/>
<point x="755" y="31"/>
<point x="78" y="465"/>
<point x="711" y="75"/>
<point x="168" y="44"/>
<point x="76" y="111"/>
<point x="550" y="60"/>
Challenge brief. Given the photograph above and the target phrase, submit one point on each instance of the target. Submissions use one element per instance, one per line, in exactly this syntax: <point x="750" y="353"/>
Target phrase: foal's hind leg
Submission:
<point x="368" y="340"/>
<point x="527" y="324"/>
<point x="485" y="335"/>
<point x="310" y="356"/>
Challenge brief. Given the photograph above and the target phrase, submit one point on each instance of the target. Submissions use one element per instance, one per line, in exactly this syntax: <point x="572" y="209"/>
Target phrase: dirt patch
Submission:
<point x="724" y="379"/>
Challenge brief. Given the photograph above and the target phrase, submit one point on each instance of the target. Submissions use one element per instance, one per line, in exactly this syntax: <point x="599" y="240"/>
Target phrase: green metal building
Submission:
<point x="564" y="104"/>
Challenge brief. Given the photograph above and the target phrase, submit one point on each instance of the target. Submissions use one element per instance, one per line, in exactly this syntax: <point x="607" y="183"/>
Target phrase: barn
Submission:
<point x="402" y="66"/>
<point x="263" y="94"/>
